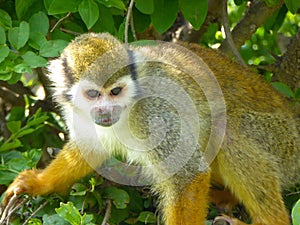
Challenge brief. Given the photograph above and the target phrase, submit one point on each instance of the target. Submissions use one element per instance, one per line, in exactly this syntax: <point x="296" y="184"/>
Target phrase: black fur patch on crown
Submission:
<point x="132" y="65"/>
<point x="68" y="73"/>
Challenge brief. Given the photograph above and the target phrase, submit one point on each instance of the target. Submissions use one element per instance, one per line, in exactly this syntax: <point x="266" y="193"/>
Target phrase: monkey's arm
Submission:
<point x="62" y="172"/>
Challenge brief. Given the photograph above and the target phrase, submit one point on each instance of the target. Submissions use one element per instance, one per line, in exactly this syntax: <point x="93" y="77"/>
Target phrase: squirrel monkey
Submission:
<point x="140" y="102"/>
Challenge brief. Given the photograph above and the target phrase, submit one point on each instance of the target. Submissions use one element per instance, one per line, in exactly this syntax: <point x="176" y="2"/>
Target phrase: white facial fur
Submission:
<point x="81" y="124"/>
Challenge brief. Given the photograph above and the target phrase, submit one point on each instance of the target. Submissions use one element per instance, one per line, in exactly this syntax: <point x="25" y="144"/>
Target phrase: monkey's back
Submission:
<point x="257" y="116"/>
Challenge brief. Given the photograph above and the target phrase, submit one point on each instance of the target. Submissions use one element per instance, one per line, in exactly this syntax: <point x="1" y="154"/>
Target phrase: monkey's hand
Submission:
<point x="26" y="182"/>
<point x="59" y="176"/>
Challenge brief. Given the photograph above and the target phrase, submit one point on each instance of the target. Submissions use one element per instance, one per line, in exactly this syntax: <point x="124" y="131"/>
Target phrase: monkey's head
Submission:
<point x="94" y="78"/>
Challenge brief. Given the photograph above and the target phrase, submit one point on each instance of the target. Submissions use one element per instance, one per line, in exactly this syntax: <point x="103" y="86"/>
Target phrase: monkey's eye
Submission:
<point x="92" y="93"/>
<point x="115" y="91"/>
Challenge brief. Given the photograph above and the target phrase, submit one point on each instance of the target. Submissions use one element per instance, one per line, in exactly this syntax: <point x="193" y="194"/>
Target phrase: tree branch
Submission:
<point x="229" y="36"/>
<point x="107" y="213"/>
<point x="255" y="16"/>
<point x="17" y="88"/>
<point x="11" y="98"/>
<point x="287" y="68"/>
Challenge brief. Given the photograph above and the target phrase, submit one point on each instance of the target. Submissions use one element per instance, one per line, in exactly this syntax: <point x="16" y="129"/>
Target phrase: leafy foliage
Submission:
<point x="33" y="32"/>
<point x="296" y="213"/>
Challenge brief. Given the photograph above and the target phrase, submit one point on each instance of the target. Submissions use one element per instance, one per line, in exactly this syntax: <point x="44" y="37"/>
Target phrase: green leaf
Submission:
<point x="78" y="189"/>
<point x="119" y="215"/>
<point x="292" y="5"/>
<point x="16" y="113"/>
<point x="194" y="11"/>
<point x="89" y="12"/>
<point x="39" y="22"/>
<point x="22" y="68"/>
<point x="2" y="36"/>
<point x="69" y="213"/>
<point x="164" y="15"/>
<point x="25" y="132"/>
<point x="6" y="177"/>
<point x="6" y="76"/>
<point x="5" y="19"/>
<point x="105" y="22"/>
<point x="145" y="6"/>
<point x="113" y="3"/>
<point x="4" y="51"/>
<point x="37" y="121"/>
<point x="18" y="164"/>
<point x="121" y="31"/>
<point x="32" y="157"/>
<point x="271" y="3"/>
<point x="36" y="40"/>
<point x="15" y="77"/>
<point x="33" y="60"/>
<point x="239" y="2"/>
<point x="296" y="213"/>
<point x="14" y="126"/>
<point x="53" y="48"/>
<point x="18" y="36"/>
<point x="54" y="220"/>
<point x="274" y="22"/>
<point x="141" y="21"/>
<point x="120" y="197"/>
<point x="61" y="6"/>
<point x="284" y="89"/>
<point x="147" y="217"/>
<point x="297" y="93"/>
<point x="15" y="143"/>
<point x="22" y="7"/>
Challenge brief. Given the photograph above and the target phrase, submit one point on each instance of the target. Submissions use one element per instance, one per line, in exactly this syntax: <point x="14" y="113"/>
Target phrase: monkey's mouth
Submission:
<point x="107" y="117"/>
<point x="105" y="120"/>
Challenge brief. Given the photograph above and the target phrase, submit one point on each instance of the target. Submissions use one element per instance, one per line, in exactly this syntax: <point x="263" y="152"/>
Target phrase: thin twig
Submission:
<point x="35" y="212"/>
<point x="132" y="27"/>
<point x="84" y="201"/>
<point x="69" y="31"/>
<point x="107" y="213"/>
<point x="229" y="36"/>
<point x="59" y="21"/>
<point x="129" y="12"/>
<point x="293" y="193"/>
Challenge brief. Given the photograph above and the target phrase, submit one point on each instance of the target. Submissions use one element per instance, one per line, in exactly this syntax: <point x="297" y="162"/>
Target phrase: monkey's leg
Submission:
<point x="62" y="172"/>
<point x="190" y="206"/>
<point x="223" y="199"/>
<point x="255" y="183"/>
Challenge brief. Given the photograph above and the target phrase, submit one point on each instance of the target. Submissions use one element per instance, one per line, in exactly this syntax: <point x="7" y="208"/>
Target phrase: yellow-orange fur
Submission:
<point x="257" y="160"/>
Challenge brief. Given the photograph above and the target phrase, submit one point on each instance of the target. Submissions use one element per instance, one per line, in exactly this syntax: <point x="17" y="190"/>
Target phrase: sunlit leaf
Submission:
<point x="18" y="36"/>
<point x="89" y="12"/>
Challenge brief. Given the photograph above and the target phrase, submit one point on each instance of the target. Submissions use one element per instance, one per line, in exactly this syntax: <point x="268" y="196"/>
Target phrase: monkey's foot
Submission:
<point x="223" y="220"/>
<point x="226" y="220"/>
<point x="26" y="182"/>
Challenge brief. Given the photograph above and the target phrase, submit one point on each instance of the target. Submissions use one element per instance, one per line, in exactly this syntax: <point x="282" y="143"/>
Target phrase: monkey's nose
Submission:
<point x="106" y="116"/>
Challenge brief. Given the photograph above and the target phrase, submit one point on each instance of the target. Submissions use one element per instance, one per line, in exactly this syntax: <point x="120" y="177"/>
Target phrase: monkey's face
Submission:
<point x="103" y="104"/>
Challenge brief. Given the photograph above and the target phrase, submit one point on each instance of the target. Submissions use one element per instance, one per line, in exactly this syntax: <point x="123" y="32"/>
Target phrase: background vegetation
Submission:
<point x="263" y="35"/>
